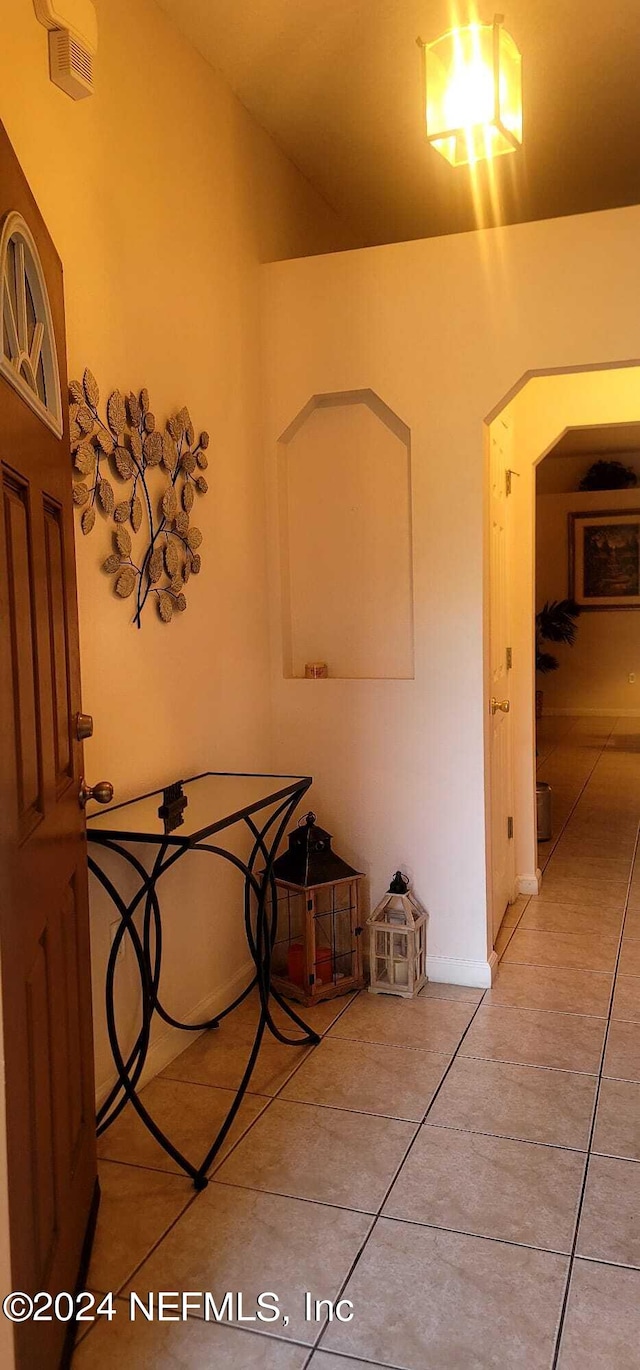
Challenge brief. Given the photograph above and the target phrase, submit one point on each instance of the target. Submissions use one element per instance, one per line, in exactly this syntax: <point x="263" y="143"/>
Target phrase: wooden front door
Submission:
<point x="44" y="932"/>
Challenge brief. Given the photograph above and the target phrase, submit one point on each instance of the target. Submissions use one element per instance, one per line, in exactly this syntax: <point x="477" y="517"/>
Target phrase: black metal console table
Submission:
<point x="264" y="805"/>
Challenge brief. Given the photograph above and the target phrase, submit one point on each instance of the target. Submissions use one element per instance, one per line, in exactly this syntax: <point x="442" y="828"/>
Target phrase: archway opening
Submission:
<point x="525" y="427"/>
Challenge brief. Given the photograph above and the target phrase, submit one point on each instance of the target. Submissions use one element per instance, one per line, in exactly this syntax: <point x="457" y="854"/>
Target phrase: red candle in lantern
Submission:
<point x="295" y="963"/>
<point x="324" y="964"/>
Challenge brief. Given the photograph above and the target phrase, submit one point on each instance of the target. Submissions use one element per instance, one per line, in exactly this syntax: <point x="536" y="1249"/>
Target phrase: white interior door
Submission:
<point x="501" y="844"/>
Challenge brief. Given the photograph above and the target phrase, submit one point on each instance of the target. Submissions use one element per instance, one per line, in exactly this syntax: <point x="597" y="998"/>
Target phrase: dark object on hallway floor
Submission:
<point x="543" y="811"/>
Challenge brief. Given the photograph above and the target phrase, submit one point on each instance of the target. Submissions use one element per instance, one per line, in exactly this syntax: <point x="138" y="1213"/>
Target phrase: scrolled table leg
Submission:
<point x="126" y="1082"/>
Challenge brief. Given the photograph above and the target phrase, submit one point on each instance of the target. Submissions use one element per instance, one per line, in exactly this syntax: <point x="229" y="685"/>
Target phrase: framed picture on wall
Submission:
<point x="604" y="559"/>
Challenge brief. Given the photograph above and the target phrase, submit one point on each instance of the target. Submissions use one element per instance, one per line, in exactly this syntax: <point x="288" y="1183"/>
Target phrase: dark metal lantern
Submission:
<point x="317" y="953"/>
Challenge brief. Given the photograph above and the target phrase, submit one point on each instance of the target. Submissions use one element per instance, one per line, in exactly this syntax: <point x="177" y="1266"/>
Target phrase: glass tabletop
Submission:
<point x="215" y="801"/>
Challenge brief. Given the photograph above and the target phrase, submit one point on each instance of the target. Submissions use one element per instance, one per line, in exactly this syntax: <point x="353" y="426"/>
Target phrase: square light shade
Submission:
<point x="473" y="91"/>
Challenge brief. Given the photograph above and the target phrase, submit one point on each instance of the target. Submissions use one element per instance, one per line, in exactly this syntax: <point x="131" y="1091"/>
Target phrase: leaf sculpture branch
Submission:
<point x="128" y="447"/>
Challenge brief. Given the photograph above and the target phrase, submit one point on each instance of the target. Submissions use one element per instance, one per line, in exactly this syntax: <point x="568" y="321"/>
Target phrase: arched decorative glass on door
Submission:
<point x="28" y="359"/>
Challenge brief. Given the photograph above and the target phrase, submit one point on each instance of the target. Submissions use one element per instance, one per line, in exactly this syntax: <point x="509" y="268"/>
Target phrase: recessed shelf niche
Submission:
<point x="344" y="485"/>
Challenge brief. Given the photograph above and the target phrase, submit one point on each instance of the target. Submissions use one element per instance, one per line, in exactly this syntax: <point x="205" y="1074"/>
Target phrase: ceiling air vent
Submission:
<point x="71" y="64"/>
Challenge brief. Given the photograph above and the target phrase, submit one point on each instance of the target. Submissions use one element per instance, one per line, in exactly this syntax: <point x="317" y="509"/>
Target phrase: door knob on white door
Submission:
<point x="500" y="705"/>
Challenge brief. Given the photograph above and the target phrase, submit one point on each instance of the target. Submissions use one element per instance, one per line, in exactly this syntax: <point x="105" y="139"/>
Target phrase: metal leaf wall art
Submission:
<point x="112" y="465"/>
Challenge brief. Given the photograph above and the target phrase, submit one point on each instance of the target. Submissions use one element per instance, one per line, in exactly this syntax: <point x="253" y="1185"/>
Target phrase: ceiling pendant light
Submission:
<point x="473" y="92"/>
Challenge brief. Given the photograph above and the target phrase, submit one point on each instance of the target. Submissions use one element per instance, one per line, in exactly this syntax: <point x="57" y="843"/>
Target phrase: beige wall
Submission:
<point x="162" y="196"/>
<point x="594" y="674"/>
<point x="441" y="330"/>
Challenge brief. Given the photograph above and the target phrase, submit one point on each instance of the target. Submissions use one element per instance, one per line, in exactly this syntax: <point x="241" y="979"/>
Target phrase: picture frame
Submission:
<point x="604" y="559"/>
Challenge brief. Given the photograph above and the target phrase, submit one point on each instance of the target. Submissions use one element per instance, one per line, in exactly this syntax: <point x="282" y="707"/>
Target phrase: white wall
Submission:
<point x="441" y="330"/>
<point x="594" y="673"/>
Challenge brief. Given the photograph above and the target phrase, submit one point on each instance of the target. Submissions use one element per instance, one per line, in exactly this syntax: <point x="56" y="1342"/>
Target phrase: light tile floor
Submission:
<point x="464" y="1168"/>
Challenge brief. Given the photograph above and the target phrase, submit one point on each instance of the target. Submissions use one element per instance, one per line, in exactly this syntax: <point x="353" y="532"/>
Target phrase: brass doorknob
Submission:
<point x="102" y="793"/>
<point x="501" y="705"/>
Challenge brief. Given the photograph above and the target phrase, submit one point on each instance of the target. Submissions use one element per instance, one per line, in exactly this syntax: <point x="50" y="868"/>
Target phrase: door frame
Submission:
<point x="542" y="405"/>
<point x="502" y="422"/>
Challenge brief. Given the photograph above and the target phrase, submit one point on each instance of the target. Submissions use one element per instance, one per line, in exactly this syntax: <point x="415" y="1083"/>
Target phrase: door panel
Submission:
<point x="19" y="574"/>
<point x="39" y="1011"/>
<point x="58" y="640"/>
<point x="44" y="930"/>
<point x="72" y="969"/>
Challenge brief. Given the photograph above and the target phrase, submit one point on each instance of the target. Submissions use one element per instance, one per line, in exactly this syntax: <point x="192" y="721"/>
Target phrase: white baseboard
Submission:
<point x="453" y="970"/>
<point x="529" y="884"/>
<point x="590" y="713"/>
<point x="171" y="1041"/>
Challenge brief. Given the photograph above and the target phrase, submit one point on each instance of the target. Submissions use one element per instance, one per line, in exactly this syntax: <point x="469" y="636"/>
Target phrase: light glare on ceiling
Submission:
<point x="473" y="92"/>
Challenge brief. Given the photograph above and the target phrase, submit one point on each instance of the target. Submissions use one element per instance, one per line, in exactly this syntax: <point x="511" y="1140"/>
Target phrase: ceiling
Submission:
<point x="609" y="438"/>
<point x="338" y="84"/>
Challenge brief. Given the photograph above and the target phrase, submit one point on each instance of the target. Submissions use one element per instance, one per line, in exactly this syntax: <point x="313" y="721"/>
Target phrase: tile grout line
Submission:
<point x="604" y="880"/>
<point x="555" y="965"/>
<point x="573" y="725"/>
<point x="507" y="1137"/>
<point x="352" y="1358"/>
<point x="583" y="1188"/>
<point x="441" y="1127"/>
<point x="530" y="1065"/>
<point x="562" y="1012"/>
<point x="483" y="1236"/>
<point x="581" y="791"/>
<point x="557" y="840"/>
<point x="513" y="929"/>
<point x="464" y="1056"/>
<point x="349" y="1000"/>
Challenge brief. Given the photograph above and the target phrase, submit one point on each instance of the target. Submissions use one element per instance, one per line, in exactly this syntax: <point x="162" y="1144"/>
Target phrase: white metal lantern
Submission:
<point x="398" y="942"/>
<point x="473" y="92"/>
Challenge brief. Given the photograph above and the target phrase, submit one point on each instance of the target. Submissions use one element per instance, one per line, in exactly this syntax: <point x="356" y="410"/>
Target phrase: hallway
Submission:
<point x="462" y="1167"/>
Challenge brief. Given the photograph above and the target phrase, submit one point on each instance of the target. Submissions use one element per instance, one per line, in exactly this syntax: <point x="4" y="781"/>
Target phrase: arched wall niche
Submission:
<point x="346" y="559"/>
